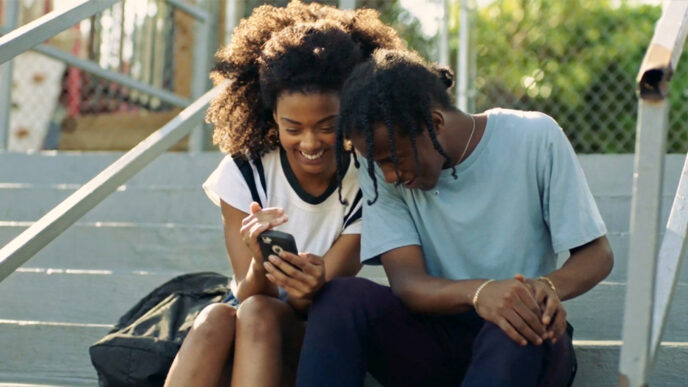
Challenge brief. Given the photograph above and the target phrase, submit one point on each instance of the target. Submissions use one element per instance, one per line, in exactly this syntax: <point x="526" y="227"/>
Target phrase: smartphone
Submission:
<point x="274" y="242"/>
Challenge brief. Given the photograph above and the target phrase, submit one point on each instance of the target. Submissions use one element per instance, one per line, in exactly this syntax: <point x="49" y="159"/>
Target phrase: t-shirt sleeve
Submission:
<point x="226" y="183"/>
<point x="387" y="223"/>
<point x="568" y="206"/>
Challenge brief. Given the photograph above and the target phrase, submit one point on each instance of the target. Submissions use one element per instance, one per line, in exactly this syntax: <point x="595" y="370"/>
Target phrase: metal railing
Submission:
<point x="56" y="221"/>
<point x="652" y="276"/>
<point x="52" y="224"/>
<point x="31" y="36"/>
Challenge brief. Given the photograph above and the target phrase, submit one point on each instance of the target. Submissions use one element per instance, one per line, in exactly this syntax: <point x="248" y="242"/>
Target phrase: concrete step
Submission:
<point x="129" y="246"/>
<point x="58" y="355"/>
<point x="177" y="247"/>
<point x="606" y="174"/>
<point x="181" y="169"/>
<point x="189" y="205"/>
<point x="48" y="353"/>
<point x="36" y="295"/>
<point x="612" y="174"/>
<point x="154" y="204"/>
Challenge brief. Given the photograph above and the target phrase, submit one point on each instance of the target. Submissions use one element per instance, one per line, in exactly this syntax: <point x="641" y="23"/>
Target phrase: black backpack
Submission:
<point x="140" y="349"/>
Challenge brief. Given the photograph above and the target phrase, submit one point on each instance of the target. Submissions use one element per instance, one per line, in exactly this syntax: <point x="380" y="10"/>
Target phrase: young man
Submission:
<point x="466" y="214"/>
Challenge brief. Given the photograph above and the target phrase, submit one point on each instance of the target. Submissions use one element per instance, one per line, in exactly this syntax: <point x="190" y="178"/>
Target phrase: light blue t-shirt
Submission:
<point x="520" y="198"/>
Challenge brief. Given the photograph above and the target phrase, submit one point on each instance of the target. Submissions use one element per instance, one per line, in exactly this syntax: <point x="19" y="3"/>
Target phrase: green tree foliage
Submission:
<point x="576" y="60"/>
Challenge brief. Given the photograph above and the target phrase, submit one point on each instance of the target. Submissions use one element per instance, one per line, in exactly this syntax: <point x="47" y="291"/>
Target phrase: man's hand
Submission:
<point x="553" y="312"/>
<point x="301" y="275"/>
<point x="510" y="305"/>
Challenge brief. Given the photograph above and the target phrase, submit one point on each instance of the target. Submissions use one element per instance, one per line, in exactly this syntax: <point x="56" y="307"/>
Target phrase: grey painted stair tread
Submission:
<point x="184" y="205"/>
<point x="141" y="253"/>
<point x="598" y="314"/>
<point x="190" y="205"/>
<point x="48" y="353"/>
<point x="155" y="247"/>
<point x="100" y="298"/>
<point x="77" y="168"/>
<point x="613" y="174"/>
<point x="62" y="358"/>
<point x="606" y="174"/>
<point x="152" y="247"/>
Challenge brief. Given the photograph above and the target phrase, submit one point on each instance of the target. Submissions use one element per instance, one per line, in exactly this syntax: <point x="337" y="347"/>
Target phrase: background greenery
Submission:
<point x="575" y="60"/>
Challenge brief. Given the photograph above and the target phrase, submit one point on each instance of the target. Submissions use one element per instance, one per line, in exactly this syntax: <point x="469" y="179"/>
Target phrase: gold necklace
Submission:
<point x="469" y="140"/>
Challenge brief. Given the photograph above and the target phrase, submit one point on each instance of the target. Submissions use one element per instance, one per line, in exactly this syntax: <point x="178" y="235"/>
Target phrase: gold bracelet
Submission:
<point x="549" y="283"/>
<point x="477" y="293"/>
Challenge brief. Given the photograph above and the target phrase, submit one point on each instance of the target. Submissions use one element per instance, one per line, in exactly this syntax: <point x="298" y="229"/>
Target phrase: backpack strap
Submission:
<point x="261" y="174"/>
<point x="247" y="172"/>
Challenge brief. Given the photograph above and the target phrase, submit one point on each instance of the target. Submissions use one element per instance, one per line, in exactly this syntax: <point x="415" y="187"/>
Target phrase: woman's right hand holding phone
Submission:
<point x="260" y="219"/>
<point x="300" y="275"/>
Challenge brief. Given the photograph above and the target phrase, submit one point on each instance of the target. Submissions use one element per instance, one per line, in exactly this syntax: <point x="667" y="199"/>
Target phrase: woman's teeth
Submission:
<point x="313" y="156"/>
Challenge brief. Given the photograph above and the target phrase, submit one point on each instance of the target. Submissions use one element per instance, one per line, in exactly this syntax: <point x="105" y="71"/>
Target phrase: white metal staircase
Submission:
<point x="161" y="225"/>
<point x="158" y="225"/>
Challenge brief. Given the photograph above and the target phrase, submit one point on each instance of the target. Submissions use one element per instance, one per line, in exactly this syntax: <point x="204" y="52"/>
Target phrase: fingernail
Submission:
<point x="272" y="258"/>
<point x="539" y="341"/>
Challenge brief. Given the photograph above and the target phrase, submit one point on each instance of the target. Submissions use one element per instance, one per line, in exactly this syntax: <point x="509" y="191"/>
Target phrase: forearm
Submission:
<point x="254" y="283"/>
<point x="344" y="258"/>
<point x="300" y="305"/>
<point x="432" y="295"/>
<point x="585" y="268"/>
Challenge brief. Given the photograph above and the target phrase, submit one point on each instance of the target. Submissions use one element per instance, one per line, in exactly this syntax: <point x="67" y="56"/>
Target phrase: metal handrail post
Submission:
<point x="653" y="116"/>
<point x="462" y="86"/>
<point x="51" y="225"/>
<point x="200" y="77"/>
<point x="11" y="18"/>
<point x="47" y="26"/>
<point x="674" y="244"/>
<point x="443" y="55"/>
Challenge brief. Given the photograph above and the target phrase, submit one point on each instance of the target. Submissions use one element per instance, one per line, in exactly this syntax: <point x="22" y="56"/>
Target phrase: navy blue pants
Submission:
<point x="355" y="325"/>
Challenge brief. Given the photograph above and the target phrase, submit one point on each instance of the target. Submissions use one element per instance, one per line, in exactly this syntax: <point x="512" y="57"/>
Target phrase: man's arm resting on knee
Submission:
<point x="586" y="267"/>
<point x="507" y="303"/>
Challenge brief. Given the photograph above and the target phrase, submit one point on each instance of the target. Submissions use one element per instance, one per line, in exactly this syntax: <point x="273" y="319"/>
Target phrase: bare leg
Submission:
<point x="268" y="341"/>
<point x="206" y="349"/>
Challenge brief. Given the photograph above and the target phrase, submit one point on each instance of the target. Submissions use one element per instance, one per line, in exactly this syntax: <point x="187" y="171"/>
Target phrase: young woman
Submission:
<point x="276" y="121"/>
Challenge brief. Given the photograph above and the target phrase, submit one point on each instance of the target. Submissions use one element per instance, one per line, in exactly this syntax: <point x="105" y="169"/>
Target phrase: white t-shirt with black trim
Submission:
<point x="315" y="222"/>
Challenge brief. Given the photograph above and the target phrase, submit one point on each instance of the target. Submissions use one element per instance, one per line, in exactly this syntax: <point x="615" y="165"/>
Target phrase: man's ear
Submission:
<point x="438" y="120"/>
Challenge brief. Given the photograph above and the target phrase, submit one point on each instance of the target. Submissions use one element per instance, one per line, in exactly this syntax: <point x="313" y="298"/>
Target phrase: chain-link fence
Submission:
<point x="576" y="61"/>
<point x="57" y="106"/>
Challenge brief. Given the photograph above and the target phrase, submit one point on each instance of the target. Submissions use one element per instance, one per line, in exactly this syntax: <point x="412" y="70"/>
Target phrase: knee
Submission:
<point x="347" y="290"/>
<point x="261" y="316"/>
<point x="348" y="296"/>
<point x="493" y="338"/>
<point x="214" y="323"/>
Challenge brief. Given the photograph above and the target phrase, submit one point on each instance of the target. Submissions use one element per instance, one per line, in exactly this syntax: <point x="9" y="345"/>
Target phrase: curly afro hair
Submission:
<point x="298" y="48"/>
<point x="399" y="89"/>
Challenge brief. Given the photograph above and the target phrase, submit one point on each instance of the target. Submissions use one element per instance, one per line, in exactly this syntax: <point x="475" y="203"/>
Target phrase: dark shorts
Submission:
<point x="231" y="300"/>
<point x="234" y="302"/>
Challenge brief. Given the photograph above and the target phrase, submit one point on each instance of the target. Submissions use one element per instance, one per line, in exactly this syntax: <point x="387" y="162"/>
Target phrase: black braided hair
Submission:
<point x="396" y="88"/>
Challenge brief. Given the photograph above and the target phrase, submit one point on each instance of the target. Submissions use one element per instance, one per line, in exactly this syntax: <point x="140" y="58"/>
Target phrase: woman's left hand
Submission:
<point x="300" y="275"/>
